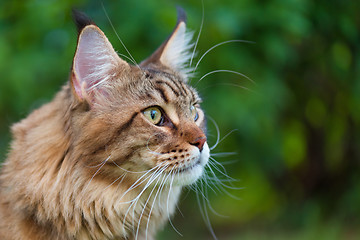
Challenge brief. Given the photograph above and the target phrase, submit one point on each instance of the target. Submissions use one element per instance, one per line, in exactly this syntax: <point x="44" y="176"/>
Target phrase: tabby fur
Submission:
<point x="89" y="164"/>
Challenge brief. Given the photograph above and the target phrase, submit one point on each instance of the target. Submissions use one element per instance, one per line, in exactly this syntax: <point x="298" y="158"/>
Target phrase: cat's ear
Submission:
<point x="175" y="51"/>
<point x="95" y="62"/>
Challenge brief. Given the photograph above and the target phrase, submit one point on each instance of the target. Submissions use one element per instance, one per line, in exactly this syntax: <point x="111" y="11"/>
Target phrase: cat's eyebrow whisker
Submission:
<point x="227" y="71"/>
<point x="127" y="57"/>
<point x="198" y="36"/>
<point x="117" y="35"/>
<point x="217" y="45"/>
<point x="229" y="84"/>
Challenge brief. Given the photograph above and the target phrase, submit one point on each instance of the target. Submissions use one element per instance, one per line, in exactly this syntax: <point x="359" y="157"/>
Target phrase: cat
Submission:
<point x="108" y="157"/>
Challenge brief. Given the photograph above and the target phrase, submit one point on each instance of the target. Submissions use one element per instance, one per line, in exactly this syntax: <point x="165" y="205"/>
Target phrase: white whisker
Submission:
<point x="97" y="171"/>
<point x="145" y="205"/>
<point x="122" y="176"/>
<point x="209" y="204"/>
<point x="227" y="71"/>
<point x="223" y="186"/>
<point x="217" y="132"/>
<point x="215" y="164"/>
<point x="203" y="210"/>
<point x="126" y="169"/>
<point x="217" y="45"/>
<point x="136" y="199"/>
<point x="223" y="154"/>
<point x="117" y="35"/>
<point x="162" y="184"/>
<point x="151" y="151"/>
<point x="222" y="139"/>
<point x="168" y="199"/>
<point x="198" y="36"/>
<point x="139" y="181"/>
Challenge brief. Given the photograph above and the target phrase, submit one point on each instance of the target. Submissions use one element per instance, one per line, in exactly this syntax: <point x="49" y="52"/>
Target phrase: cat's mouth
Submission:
<point x="189" y="167"/>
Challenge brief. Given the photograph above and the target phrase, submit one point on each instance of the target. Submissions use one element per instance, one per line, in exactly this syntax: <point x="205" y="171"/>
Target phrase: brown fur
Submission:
<point x="73" y="161"/>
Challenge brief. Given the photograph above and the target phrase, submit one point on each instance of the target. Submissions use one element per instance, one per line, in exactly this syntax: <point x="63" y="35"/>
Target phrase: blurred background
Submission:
<point x="295" y="132"/>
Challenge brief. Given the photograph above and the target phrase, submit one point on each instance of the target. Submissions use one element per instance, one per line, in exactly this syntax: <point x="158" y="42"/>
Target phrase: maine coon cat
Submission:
<point x="108" y="156"/>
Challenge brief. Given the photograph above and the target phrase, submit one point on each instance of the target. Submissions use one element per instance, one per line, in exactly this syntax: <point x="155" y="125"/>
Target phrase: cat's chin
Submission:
<point x="192" y="173"/>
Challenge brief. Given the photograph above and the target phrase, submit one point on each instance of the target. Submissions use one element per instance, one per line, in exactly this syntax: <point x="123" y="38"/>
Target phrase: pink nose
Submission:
<point x="199" y="142"/>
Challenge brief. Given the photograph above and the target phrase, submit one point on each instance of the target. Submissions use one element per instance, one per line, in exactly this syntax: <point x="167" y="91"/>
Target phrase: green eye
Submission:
<point x="154" y="115"/>
<point x="194" y="113"/>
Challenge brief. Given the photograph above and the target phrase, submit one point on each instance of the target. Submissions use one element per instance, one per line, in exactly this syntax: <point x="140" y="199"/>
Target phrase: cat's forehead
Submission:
<point x="140" y="88"/>
<point x="171" y="87"/>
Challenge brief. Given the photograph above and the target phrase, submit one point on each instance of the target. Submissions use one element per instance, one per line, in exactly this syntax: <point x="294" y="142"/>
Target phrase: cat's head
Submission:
<point x="137" y="118"/>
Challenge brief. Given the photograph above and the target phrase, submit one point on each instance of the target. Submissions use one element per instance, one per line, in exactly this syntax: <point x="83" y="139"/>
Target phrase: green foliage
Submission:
<point x="297" y="132"/>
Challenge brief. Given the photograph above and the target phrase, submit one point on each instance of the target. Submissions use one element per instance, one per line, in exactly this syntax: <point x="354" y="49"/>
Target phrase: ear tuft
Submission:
<point x="175" y="51"/>
<point x="81" y="20"/>
<point x="181" y="14"/>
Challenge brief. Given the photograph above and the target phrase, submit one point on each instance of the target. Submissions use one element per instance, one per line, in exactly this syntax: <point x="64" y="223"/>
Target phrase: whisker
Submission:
<point x="223" y="186"/>
<point x="117" y="35"/>
<point x="217" y="132"/>
<point x="125" y="56"/>
<point x="162" y="184"/>
<point x="217" y="45"/>
<point x="214" y="163"/>
<point x="136" y="199"/>
<point x="222" y="139"/>
<point x="227" y="71"/>
<point x="223" y="154"/>
<point x="97" y="171"/>
<point x="168" y="199"/>
<point x="126" y="169"/>
<point x="208" y="201"/>
<point x="198" y="36"/>
<point x="228" y="84"/>
<point x="143" y="210"/>
<point x="139" y="181"/>
<point x="98" y="165"/>
<point x="204" y="212"/>
<point x="122" y="176"/>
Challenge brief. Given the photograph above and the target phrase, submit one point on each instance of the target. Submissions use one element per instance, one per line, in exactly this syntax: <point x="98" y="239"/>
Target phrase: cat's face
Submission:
<point x="142" y="119"/>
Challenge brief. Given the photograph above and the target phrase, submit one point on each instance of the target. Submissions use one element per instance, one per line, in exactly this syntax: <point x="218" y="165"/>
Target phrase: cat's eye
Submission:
<point x="194" y="113"/>
<point x="154" y="115"/>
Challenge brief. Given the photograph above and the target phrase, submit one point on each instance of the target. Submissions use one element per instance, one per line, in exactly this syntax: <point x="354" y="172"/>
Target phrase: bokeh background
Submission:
<point x="296" y="129"/>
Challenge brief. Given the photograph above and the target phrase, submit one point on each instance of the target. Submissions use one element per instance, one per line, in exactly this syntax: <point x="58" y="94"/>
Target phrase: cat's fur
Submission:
<point x="79" y="166"/>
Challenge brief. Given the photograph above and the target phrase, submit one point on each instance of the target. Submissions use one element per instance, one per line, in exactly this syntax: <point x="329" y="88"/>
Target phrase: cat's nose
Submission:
<point x="199" y="142"/>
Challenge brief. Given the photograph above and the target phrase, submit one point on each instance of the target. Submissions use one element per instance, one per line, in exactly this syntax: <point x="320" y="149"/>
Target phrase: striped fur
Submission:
<point x="89" y="164"/>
